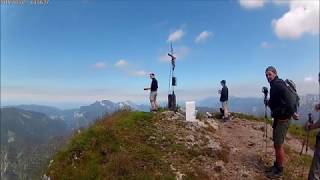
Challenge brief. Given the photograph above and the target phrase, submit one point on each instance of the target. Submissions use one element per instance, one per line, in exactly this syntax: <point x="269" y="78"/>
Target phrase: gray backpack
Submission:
<point x="293" y="90"/>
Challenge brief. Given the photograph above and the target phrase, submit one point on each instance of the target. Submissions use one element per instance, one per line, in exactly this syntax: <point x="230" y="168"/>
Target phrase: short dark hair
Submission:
<point x="152" y="74"/>
<point x="272" y="69"/>
<point x="223" y="82"/>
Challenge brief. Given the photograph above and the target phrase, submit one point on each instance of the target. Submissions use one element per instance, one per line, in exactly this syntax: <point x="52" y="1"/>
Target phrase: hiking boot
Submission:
<point x="277" y="172"/>
<point x="270" y="168"/>
<point x="225" y="119"/>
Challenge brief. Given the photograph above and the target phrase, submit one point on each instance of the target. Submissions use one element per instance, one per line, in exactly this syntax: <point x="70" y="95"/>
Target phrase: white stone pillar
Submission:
<point x="190" y="111"/>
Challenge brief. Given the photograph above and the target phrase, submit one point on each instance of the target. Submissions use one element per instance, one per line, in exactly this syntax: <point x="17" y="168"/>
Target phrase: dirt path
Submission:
<point x="248" y="154"/>
<point x="232" y="150"/>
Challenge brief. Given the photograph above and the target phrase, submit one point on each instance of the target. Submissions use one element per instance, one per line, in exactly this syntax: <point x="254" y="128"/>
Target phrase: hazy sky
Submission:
<point x="73" y="52"/>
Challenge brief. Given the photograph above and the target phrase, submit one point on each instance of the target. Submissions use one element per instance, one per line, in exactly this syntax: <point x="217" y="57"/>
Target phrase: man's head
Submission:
<point x="223" y="82"/>
<point x="271" y="73"/>
<point x="152" y="75"/>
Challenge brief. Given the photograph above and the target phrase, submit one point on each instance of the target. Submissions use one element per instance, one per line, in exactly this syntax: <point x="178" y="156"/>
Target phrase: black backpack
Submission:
<point x="293" y="90"/>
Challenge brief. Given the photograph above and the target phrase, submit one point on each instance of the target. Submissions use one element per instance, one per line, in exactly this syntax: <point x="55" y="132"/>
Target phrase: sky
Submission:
<point x="68" y="53"/>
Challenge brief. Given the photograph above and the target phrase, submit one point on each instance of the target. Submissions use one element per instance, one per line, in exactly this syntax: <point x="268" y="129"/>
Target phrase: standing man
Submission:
<point x="224" y="99"/>
<point x="153" y="92"/>
<point x="314" y="173"/>
<point x="283" y="107"/>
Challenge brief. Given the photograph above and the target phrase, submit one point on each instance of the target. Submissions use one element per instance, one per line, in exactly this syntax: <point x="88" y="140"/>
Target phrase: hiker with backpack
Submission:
<point x="283" y="103"/>
<point x="314" y="172"/>
<point x="224" y="100"/>
<point x="153" y="92"/>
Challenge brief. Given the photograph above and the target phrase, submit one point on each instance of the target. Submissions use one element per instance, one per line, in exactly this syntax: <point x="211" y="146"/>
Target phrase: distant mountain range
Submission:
<point x="84" y="115"/>
<point x="30" y="134"/>
<point x="27" y="142"/>
<point x="250" y="105"/>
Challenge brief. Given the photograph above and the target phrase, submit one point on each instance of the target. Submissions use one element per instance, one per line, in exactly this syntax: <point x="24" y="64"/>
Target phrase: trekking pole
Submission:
<point x="266" y="126"/>
<point x="265" y="92"/>
<point x="310" y="121"/>
<point x="303" y="143"/>
<point x="306" y="137"/>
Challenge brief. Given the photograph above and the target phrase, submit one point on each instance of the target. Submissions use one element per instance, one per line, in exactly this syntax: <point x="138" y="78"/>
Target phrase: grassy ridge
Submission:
<point x="113" y="148"/>
<point x="119" y="147"/>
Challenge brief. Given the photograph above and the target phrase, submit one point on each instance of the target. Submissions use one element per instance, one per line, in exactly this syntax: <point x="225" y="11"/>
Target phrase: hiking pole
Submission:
<point x="306" y="138"/>
<point x="310" y="121"/>
<point x="306" y="141"/>
<point x="265" y="92"/>
<point x="303" y="143"/>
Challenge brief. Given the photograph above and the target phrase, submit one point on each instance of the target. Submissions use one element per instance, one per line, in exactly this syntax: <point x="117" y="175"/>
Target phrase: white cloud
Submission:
<point x="179" y="53"/>
<point x="36" y="95"/>
<point x="252" y="4"/>
<point x="308" y="79"/>
<point x="182" y="52"/>
<point x="128" y="69"/>
<point x="100" y="65"/>
<point x="164" y="58"/>
<point x="307" y="87"/>
<point x="121" y="63"/>
<point x="281" y="2"/>
<point x="203" y="36"/>
<point x="139" y="73"/>
<point x="175" y="36"/>
<point x="265" y="45"/>
<point x="303" y="17"/>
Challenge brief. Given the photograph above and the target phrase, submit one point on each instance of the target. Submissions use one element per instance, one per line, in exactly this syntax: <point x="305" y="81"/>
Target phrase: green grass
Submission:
<point x="299" y="133"/>
<point x="200" y="115"/>
<point x="297" y="166"/>
<point x="112" y="148"/>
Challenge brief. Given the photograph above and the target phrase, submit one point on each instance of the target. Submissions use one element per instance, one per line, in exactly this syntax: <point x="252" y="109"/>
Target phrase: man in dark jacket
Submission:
<point x="224" y="99"/>
<point x="282" y="106"/>
<point x="153" y="92"/>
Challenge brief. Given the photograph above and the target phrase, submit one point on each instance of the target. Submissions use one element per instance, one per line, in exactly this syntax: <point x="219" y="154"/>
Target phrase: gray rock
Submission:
<point x="213" y="145"/>
<point x="244" y="173"/>
<point x="151" y="138"/>
<point x="213" y="124"/>
<point x="251" y="144"/>
<point x="190" y="138"/>
<point x="219" y="166"/>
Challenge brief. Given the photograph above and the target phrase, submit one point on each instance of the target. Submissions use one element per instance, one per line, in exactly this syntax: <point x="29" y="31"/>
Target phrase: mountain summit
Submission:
<point x="140" y="145"/>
